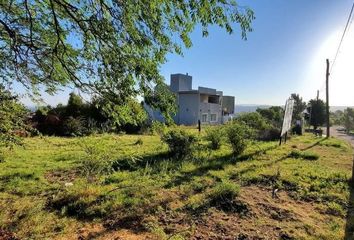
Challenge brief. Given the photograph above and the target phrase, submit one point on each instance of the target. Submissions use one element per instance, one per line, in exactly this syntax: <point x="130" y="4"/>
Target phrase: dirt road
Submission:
<point x="338" y="131"/>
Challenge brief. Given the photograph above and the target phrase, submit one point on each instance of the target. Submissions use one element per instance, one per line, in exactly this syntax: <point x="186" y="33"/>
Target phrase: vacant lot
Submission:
<point x="126" y="187"/>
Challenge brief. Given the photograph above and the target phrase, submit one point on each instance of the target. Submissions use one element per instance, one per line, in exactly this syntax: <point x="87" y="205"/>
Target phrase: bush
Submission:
<point x="74" y="127"/>
<point x="179" y="142"/>
<point x="158" y="128"/>
<point x="224" y="191"/>
<point x="215" y="137"/>
<point x="270" y="134"/>
<point x="253" y="120"/>
<point x="304" y="155"/>
<point x="297" y="129"/>
<point x="237" y="135"/>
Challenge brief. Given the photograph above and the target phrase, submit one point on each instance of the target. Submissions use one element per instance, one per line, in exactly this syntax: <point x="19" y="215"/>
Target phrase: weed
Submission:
<point x="95" y="161"/>
<point x="139" y="141"/>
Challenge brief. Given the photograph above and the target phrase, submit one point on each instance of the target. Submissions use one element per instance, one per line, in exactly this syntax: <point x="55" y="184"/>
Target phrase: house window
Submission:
<point x="204" y="117"/>
<point x="212" y="117"/>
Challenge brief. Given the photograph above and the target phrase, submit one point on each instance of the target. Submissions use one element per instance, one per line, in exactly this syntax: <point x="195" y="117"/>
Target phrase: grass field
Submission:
<point x="126" y="187"/>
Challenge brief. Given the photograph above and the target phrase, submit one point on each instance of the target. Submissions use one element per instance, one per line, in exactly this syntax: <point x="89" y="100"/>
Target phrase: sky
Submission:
<point x="285" y="53"/>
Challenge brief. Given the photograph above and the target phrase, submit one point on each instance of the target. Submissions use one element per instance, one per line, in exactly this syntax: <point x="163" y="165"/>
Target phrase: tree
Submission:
<point x="316" y="110"/>
<point x="337" y="117"/>
<point x="164" y="100"/>
<point x="274" y="115"/>
<point x="12" y="116"/>
<point x="299" y="107"/>
<point x="348" y="118"/>
<point x="112" y="48"/>
<point x="75" y="105"/>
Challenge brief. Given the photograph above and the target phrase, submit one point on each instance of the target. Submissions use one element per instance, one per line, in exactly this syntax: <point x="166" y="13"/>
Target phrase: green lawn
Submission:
<point x="126" y="186"/>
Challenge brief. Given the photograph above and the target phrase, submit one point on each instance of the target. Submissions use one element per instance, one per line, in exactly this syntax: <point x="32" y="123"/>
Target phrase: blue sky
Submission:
<point x="285" y="53"/>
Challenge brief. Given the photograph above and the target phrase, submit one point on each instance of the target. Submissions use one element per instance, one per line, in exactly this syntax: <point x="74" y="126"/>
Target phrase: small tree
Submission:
<point x="316" y="110"/>
<point x="12" y="116"/>
<point x="238" y="135"/>
<point x="349" y="119"/>
<point x="75" y="105"/>
<point x="215" y="136"/>
<point x="299" y="107"/>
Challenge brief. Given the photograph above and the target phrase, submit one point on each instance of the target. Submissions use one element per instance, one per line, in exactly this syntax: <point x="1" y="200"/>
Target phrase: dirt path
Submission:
<point x="338" y="131"/>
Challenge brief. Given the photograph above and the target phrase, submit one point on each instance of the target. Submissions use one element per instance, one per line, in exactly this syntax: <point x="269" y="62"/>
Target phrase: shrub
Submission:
<point x="237" y="135"/>
<point x="179" y="142"/>
<point x="304" y="155"/>
<point x="224" y="191"/>
<point x="297" y="129"/>
<point x="269" y="134"/>
<point x="253" y="120"/>
<point x="215" y="137"/>
<point x="74" y="127"/>
<point x="310" y="156"/>
<point x="158" y="128"/>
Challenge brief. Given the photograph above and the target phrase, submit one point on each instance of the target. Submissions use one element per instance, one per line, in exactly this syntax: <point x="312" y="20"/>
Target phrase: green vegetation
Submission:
<point x="215" y="135"/>
<point x="180" y="143"/>
<point x="12" y="119"/>
<point x="348" y="119"/>
<point x="118" y="48"/>
<point x="106" y="183"/>
<point x="316" y="113"/>
<point x="238" y="135"/>
<point x="304" y="155"/>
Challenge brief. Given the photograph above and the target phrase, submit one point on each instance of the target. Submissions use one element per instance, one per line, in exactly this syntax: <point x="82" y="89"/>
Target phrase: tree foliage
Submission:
<point x="164" y="100"/>
<point x="112" y="48"/>
<point x="12" y="118"/>
<point x="299" y="107"/>
<point x="316" y="113"/>
<point x="273" y="114"/>
<point x="78" y="118"/>
<point x="337" y="117"/>
<point x="348" y="119"/>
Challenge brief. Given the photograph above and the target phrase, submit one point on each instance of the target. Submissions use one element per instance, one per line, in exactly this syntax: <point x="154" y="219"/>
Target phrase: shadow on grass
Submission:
<point x="313" y="145"/>
<point x="349" y="227"/>
<point x="219" y="163"/>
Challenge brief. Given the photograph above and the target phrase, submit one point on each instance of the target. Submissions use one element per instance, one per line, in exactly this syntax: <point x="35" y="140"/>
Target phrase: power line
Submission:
<point x="341" y="40"/>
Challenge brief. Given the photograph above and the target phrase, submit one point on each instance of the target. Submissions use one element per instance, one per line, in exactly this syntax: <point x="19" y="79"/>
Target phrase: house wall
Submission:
<point x="188" y="105"/>
<point x="210" y="108"/>
<point x="180" y="82"/>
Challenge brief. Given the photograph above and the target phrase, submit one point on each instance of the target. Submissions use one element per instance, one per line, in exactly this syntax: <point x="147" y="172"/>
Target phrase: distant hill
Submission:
<point x="341" y="108"/>
<point x="241" y="108"/>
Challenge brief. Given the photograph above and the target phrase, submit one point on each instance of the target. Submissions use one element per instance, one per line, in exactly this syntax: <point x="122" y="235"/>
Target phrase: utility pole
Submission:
<point x="318" y="94"/>
<point x="327" y="97"/>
